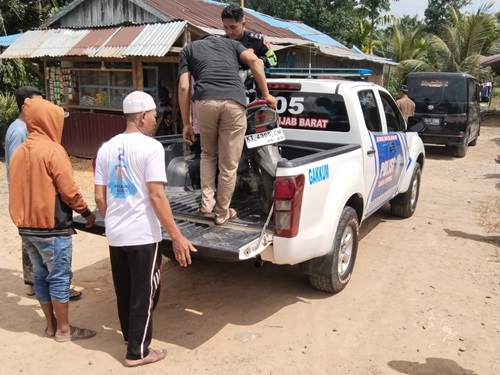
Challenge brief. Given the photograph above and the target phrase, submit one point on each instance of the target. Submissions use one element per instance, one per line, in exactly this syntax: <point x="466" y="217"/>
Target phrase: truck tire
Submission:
<point x="474" y="141"/>
<point x="404" y="204"/>
<point x="461" y="151"/>
<point x="345" y="248"/>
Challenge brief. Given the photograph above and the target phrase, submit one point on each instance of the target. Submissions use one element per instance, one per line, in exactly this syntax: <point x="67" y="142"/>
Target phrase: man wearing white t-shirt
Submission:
<point x="129" y="179"/>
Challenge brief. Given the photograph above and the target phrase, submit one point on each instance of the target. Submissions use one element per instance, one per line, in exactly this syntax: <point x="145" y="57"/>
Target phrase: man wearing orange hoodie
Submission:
<point x="42" y="197"/>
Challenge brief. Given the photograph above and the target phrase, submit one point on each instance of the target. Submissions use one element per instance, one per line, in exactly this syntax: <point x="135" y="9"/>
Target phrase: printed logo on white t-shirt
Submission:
<point x="119" y="182"/>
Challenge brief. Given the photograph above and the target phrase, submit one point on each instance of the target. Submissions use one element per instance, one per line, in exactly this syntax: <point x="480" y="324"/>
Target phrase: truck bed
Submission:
<point x="237" y="239"/>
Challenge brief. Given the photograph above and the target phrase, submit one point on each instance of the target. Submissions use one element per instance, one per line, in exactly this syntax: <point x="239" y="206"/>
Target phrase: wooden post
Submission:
<point x="137" y="75"/>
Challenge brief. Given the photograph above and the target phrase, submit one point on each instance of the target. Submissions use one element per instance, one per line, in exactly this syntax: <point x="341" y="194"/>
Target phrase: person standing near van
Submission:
<point x="405" y="104"/>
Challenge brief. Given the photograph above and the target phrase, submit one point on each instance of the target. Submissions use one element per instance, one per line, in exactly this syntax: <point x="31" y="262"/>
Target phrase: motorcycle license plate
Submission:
<point x="265" y="138"/>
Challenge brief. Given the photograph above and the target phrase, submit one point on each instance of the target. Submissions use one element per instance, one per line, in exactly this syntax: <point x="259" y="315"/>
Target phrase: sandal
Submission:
<point x="154" y="355"/>
<point x="47" y="334"/>
<point x="230" y="215"/>
<point x="78" y="334"/>
<point x="74" y="295"/>
<point x="206" y="214"/>
<point x="497" y="160"/>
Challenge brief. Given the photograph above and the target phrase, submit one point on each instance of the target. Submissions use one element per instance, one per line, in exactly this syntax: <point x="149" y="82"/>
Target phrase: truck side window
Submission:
<point x="370" y="111"/>
<point x="393" y="117"/>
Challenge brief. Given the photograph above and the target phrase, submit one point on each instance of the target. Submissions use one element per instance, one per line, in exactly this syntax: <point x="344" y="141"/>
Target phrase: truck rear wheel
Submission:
<point x="345" y="248"/>
<point x="405" y="204"/>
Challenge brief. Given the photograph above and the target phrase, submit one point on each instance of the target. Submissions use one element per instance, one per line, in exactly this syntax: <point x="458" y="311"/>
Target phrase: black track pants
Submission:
<point x="136" y="276"/>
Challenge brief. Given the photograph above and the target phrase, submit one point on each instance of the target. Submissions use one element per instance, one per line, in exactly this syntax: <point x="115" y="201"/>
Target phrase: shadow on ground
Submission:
<point x="195" y="303"/>
<point x="432" y="366"/>
<point x="495" y="240"/>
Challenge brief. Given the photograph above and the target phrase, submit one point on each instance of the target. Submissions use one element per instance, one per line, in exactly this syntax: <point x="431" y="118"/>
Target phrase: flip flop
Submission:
<point x="46" y="334"/>
<point x="78" y="334"/>
<point x="232" y="215"/>
<point x="206" y="214"/>
<point x="74" y="295"/>
<point x="154" y="355"/>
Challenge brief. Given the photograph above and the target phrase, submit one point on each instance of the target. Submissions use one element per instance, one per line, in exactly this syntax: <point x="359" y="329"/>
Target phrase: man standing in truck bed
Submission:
<point x="219" y="97"/>
<point x="233" y="20"/>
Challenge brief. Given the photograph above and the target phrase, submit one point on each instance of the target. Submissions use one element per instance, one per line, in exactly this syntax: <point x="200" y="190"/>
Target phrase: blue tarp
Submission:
<point x="6" y="41"/>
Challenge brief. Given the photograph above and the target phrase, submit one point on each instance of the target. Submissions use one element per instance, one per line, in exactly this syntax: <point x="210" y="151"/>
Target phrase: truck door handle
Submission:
<point x="370" y="152"/>
<point x="392" y="148"/>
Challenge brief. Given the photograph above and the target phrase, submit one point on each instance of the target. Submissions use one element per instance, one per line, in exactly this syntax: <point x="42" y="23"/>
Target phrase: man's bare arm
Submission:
<point x="257" y="67"/>
<point x="185" y="106"/>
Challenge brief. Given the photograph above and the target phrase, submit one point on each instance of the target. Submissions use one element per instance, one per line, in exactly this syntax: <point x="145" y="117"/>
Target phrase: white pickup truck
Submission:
<point x="347" y="153"/>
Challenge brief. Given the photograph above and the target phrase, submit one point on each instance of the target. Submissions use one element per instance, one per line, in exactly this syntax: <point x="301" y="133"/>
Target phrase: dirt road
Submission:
<point x="424" y="297"/>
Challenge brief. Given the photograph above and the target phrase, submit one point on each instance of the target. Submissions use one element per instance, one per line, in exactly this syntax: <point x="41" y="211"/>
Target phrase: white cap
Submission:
<point x="138" y="101"/>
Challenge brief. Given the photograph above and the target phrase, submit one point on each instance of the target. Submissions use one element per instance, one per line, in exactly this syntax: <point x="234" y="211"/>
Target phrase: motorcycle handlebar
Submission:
<point x="256" y="103"/>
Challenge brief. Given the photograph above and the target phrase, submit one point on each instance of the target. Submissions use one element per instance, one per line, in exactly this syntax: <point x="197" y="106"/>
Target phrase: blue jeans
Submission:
<point x="51" y="259"/>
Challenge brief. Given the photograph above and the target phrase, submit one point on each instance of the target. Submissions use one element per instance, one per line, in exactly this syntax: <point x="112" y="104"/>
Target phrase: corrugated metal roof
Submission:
<point x="300" y="29"/>
<point x="119" y="41"/>
<point x="156" y="39"/>
<point x="137" y="40"/>
<point x="488" y="60"/>
<point x="342" y="52"/>
<point x="59" y="42"/>
<point x="91" y="42"/>
<point x="206" y="14"/>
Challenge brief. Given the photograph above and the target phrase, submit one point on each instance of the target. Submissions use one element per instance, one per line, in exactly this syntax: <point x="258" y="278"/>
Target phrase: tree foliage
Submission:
<point x="21" y="15"/>
<point x="335" y="18"/>
<point x="459" y="46"/>
<point x="438" y="15"/>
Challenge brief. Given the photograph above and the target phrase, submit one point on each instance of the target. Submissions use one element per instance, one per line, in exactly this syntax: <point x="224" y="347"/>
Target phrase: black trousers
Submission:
<point x="136" y="277"/>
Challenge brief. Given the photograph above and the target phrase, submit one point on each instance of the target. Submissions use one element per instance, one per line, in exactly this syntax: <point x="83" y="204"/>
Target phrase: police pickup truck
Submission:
<point x="347" y="152"/>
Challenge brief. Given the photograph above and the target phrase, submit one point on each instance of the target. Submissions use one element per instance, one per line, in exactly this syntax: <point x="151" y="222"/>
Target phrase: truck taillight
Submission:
<point x="287" y="205"/>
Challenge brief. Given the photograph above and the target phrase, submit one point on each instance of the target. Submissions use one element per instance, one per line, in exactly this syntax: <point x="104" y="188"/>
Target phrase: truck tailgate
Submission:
<point x="236" y="240"/>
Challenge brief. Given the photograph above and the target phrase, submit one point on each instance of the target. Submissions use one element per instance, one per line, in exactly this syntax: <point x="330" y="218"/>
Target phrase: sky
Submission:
<point x="417" y="7"/>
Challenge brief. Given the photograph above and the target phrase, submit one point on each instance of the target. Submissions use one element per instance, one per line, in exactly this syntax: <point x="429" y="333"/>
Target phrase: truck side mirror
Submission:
<point x="415" y="124"/>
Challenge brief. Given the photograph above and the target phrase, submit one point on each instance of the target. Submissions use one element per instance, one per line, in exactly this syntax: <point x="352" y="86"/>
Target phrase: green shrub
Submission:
<point x="496" y="92"/>
<point x="8" y="113"/>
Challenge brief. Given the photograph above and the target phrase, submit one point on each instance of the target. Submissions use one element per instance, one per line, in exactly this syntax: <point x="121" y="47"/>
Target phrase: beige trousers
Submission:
<point x="222" y="129"/>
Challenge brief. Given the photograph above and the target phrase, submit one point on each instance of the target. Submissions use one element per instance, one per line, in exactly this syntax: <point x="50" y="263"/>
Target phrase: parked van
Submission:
<point x="449" y="106"/>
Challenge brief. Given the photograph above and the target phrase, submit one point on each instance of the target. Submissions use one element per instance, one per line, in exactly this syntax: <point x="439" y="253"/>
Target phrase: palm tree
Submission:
<point x="460" y="44"/>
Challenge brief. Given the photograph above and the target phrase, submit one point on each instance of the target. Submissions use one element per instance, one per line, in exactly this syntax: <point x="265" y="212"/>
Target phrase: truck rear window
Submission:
<point x="310" y="111"/>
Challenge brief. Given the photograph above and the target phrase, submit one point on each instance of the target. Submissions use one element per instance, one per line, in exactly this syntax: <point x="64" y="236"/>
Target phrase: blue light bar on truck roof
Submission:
<point x="318" y="72"/>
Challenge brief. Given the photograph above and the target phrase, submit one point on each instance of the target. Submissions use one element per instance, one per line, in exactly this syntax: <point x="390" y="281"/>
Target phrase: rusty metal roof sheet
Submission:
<point x="91" y="42"/>
<point x="206" y="14"/>
<point x="117" y="42"/>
